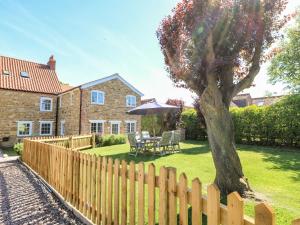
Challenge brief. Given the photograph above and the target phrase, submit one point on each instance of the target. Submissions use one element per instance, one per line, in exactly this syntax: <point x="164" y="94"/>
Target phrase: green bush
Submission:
<point x="110" y="140"/>
<point x="278" y="124"/>
<point x="191" y="123"/>
<point x="18" y="148"/>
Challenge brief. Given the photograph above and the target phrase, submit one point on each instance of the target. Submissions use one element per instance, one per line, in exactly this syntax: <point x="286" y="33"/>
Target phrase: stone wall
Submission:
<point x="22" y="106"/>
<point x="114" y="107"/>
<point x="69" y="112"/>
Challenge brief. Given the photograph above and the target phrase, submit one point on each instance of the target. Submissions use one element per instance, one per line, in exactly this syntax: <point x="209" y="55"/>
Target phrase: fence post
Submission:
<point x="71" y="144"/>
<point x="296" y="222"/>
<point x="94" y="140"/>
<point x="264" y="215"/>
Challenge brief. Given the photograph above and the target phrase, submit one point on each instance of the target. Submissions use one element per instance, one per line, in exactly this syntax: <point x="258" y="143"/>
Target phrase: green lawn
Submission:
<point x="275" y="173"/>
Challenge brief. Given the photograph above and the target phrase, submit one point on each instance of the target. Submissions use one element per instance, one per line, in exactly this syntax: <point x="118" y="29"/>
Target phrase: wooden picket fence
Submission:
<point x="114" y="192"/>
<point x="73" y="142"/>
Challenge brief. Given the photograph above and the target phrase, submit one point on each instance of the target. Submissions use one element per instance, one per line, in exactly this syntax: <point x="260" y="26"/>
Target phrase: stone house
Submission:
<point x="34" y="103"/>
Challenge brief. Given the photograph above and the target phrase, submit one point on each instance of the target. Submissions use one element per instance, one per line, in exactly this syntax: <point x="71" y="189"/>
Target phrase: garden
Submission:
<point x="274" y="172"/>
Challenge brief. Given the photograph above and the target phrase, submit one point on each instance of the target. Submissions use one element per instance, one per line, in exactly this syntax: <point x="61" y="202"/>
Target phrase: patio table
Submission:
<point x="152" y="142"/>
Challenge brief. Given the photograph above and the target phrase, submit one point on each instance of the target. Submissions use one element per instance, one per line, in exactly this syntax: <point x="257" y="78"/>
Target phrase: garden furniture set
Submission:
<point x="166" y="144"/>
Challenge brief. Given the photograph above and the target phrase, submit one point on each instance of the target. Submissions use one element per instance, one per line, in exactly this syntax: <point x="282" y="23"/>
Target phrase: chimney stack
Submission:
<point x="52" y="62"/>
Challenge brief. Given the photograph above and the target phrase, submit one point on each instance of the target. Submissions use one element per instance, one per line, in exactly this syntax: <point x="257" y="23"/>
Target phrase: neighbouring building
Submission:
<point x="33" y="102"/>
<point x="244" y="100"/>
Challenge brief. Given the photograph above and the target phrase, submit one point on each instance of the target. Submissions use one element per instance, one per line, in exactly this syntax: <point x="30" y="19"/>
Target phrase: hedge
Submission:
<point x="278" y="124"/>
<point x="108" y="140"/>
<point x="191" y="123"/>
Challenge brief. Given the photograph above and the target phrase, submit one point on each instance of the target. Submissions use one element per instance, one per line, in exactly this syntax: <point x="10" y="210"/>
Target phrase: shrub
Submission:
<point x="278" y="124"/>
<point x="18" y="148"/>
<point x="112" y="140"/>
<point x="192" y="125"/>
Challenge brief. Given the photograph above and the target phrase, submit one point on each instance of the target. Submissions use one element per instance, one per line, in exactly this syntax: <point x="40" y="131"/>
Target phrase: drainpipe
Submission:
<point x="80" y="112"/>
<point x="56" y="116"/>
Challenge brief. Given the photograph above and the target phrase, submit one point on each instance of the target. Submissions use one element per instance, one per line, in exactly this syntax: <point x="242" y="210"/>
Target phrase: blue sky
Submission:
<point x="93" y="39"/>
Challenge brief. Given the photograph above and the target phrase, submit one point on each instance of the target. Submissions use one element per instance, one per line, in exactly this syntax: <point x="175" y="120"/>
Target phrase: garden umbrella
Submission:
<point x="153" y="108"/>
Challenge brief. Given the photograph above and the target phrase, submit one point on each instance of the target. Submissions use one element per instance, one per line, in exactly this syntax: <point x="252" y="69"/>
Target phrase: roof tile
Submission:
<point x="41" y="78"/>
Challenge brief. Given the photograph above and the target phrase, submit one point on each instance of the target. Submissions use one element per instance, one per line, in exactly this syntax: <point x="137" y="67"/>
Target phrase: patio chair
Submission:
<point x="175" y="141"/>
<point x="165" y="143"/>
<point x="145" y="134"/>
<point x="135" y="145"/>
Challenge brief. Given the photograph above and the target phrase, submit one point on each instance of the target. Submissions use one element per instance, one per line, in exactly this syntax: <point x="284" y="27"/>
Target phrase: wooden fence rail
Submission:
<point x="113" y="192"/>
<point x="73" y="142"/>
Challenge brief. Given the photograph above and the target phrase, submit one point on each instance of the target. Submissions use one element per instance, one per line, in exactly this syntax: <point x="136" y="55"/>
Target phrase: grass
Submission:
<point x="9" y="152"/>
<point x="272" y="172"/>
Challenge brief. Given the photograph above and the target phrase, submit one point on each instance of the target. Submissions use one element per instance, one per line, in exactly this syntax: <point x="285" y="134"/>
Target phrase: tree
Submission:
<point x="172" y="119"/>
<point x="285" y="66"/>
<point x="214" y="48"/>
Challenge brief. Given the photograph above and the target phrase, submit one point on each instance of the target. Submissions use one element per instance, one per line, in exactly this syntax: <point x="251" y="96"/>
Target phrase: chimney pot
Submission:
<point x="51" y="63"/>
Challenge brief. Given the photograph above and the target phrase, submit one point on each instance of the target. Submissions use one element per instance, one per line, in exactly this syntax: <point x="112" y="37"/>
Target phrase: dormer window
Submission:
<point x="24" y="74"/>
<point x="6" y="72"/>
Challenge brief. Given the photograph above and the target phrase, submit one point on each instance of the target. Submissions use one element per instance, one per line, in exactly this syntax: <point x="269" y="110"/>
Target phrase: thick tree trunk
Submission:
<point x="220" y="130"/>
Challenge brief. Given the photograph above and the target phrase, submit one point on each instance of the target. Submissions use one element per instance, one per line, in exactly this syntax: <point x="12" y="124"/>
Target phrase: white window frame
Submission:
<point x="51" y="127"/>
<point x="128" y="101"/>
<point x="97" y="121"/>
<point x="30" y="128"/>
<point x="97" y="92"/>
<point x="115" y="122"/>
<point x="41" y="104"/>
<point x="130" y="122"/>
<point x="62" y="125"/>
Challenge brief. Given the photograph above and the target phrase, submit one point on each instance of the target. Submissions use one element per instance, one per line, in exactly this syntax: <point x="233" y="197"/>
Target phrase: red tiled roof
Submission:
<point x="41" y="78"/>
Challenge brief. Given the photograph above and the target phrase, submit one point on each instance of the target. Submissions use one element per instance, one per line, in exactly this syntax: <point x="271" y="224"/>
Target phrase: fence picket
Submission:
<point x="296" y="222"/>
<point x="103" y="191"/>
<point x="99" y="166"/>
<point x="151" y="194"/>
<point x="183" y="204"/>
<point x="132" y="193"/>
<point x="264" y="215"/>
<point x="196" y="202"/>
<point x="213" y="205"/>
<point x="172" y="189"/>
<point x="109" y="188"/>
<point x="124" y="193"/>
<point x="235" y="206"/>
<point x="141" y="194"/>
<point x="93" y="188"/>
<point x="162" y="216"/>
<point x="116" y="192"/>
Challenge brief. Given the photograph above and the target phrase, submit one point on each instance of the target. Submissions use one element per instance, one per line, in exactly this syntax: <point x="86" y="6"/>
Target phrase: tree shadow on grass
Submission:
<point x="284" y="159"/>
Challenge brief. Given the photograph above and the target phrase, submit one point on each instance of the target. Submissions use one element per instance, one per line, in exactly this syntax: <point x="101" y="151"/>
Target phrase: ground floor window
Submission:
<point x="115" y="127"/>
<point x="130" y="127"/>
<point x="46" y="128"/>
<point x="97" y="126"/>
<point x="24" y="128"/>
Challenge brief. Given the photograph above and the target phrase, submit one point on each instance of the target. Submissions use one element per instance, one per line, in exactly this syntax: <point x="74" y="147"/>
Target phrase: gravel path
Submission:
<point x="24" y="200"/>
